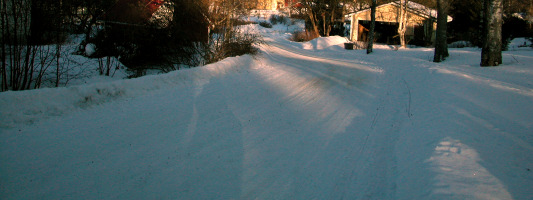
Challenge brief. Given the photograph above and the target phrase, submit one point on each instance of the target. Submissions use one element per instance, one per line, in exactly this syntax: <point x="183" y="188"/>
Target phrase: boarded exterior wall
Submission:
<point x="270" y="4"/>
<point x="389" y="13"/>
<point x="267" y="4"/>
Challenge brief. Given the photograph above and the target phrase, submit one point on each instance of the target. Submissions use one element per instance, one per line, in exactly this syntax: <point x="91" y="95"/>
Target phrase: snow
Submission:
<point x="325" y="43"/>
<point x="523" y="16"/>
<point x="90" y="49"/>
<point x="416" y="7"/>
<point x="422" y="9"/>
<point x="460" y="44"/>
<point x="74" y="69"/>
<point x="523" y="44"/>
<point x="298" y="121"/>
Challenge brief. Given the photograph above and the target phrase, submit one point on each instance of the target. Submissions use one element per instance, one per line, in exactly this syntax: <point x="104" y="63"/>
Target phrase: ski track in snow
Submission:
<point x="298" y="121"/>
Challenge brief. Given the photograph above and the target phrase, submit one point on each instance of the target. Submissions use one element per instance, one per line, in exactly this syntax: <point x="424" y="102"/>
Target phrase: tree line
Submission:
<point x="192" y="33"/>
<point x="32" y="36"/>
<point x="33" y="31"/>
<point x="479" y="22"/>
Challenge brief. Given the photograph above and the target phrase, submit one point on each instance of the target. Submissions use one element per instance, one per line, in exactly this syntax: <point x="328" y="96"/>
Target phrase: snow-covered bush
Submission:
<point x="279" y="19"/>
<point x="514" y="27"/>
<point x="460" y="44"/>
<point x="90" y="49"/>
<point x="229" y="44"/>
<point x="265" y="24"/>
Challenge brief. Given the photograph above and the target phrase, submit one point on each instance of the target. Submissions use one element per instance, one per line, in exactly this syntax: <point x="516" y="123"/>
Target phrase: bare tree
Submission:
<point x="402" y="22"/>
<point x="89" y="13"/>
<point x="441" y="44"/>
<point x="321" y="14"/>
<point x="333" y="11"/>
<point x="28" y="30"/>
<point x="357" y="5"/>
<point x="226" y="39"/>
<point x="18" y="55"/>
<point x="312" y="12"/>
<point x="370" y="46"/>
<point x="491" y="54"/>
<point x="3" y="35"/>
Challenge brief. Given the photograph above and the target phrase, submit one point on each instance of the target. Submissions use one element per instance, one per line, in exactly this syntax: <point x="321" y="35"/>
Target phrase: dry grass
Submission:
<point x="303" y="36"/>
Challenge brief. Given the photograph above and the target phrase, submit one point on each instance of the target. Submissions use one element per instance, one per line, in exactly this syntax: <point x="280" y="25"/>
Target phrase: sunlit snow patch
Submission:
<point x="324" y="43"/>
<point x="460" y="176"/>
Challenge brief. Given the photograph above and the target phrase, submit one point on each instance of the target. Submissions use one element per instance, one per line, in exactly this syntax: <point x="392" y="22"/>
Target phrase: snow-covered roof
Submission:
<point x="413" y="7"/>
<point x="523" y="16"/>
<point x="418" y="8"/>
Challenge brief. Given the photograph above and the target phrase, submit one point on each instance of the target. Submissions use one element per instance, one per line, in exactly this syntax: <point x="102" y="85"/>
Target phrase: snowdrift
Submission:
<point x="24" y="107"/>
<point x="318" y="122"/>
<point x="334" y="42"/>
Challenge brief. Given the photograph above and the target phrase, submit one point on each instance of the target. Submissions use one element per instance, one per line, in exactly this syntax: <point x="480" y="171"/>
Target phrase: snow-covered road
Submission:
<point x="298" y="121"/>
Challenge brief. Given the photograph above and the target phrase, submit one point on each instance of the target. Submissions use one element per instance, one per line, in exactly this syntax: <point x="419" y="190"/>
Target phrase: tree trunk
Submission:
<point x="58" y="65"/>
<point x="441" y="44"/>
<point x="313" y="20"/>
<point x="402" y="22"/>
<point x="491" y="53"/>
<point x="3" y="37"/>
<point x="324" y="33"/>
<point x="370" y="46"/>
<point x="331" y="20"/>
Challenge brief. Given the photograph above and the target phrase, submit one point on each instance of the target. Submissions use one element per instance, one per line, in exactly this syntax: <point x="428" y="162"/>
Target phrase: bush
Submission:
<point x="240" y="22"/>
<point x="265" y="24"/>
<point x="240" y="48"/>
<point x="182" y="43"/>
<point x="460" y="44"/>
<point x="233" y="44"/>
<point x="278" y="19"/>
<point x="514" y="27"/>
<point x="303" y="36"/>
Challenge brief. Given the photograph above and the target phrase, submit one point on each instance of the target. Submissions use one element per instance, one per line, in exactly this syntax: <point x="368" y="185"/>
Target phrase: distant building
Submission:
<point x="266" y="5"/>
<point x="273" y="4"/>
<point x="421" y="23"/>
<point x="132" y="12"/>
<point x="128" y="15"/>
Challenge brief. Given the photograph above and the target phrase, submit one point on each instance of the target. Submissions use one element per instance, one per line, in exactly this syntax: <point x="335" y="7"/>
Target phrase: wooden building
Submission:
<point x="130" y="16"/>
<point x="421" y="24"/>
<point x="273" y="4"/>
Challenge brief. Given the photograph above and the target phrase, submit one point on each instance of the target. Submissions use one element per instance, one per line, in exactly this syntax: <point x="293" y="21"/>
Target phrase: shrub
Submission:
<point x="278" y="19"/>
<point x="460" y="44"/>
<point x="265" y="24"/>
<point x="180" y="44"/>
<point x="240" y="22"/>
<point x="233" y="44"/>
<point x="303" y="36"/>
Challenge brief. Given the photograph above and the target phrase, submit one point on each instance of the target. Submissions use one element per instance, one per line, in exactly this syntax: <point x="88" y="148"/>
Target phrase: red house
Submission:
<point x="135" y="12"/>
<point x="292" y="3"/>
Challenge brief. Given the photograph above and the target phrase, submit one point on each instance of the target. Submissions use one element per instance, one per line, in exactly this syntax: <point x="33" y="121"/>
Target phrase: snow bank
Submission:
<point x="90" y="49"/>
<point x="324" y="43"/>
<point x="519" y="43"/>
<point x="460" y="44"/>
<point x="293" y="124"/>
<point x="26" y="107"/>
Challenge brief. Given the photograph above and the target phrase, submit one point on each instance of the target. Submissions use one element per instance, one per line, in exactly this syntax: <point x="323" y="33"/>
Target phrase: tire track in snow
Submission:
<point x="374" y="162"/>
